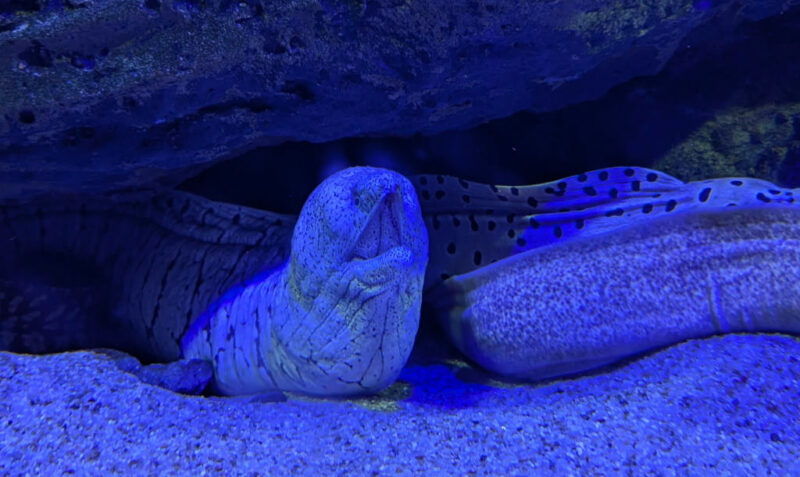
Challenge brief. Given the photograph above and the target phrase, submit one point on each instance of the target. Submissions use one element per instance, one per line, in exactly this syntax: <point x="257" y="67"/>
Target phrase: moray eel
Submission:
<point x="340" y="316"/>
<point x="128" y="270"/>
<point x="530" y="281"/>
<point x="564" y="277"/>
<point x="326" y="305"/>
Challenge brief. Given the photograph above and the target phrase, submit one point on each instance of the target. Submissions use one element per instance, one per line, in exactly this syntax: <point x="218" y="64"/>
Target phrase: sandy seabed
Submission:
<point x="722" y="405"/>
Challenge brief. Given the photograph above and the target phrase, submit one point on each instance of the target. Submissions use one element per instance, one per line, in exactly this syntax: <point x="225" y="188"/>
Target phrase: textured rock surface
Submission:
<point x="722" y="406"/>
<point x="760" y="142"/>
<point x="721" y="105"/>
<point x="104" y="93"/>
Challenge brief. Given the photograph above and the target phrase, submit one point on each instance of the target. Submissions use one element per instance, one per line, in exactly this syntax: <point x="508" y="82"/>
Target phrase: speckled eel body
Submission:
<point x="328" y="305"/>
<point x="529" y="281"/>
<point x="552" y="279"/>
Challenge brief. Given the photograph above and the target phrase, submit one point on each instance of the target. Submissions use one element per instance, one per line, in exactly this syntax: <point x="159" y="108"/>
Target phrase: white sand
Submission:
<point x="721" y="405"/>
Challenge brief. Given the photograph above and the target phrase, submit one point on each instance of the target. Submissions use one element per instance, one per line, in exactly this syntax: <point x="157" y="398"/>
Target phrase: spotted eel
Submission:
<point x="324" y="305"/>
<point x="559" y="278"/>
<point x="530" y="281"/>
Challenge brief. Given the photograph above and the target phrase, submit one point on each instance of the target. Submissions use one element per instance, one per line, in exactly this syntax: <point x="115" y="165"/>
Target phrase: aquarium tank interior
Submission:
<point x="399" y="237"/>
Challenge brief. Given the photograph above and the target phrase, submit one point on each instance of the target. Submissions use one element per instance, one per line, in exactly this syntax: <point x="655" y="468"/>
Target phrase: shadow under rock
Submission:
<point x="635" y="123"/>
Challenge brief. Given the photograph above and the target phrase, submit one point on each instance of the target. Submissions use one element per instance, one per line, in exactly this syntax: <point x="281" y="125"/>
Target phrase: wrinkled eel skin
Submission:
<point x="340" y="316"/>
<point x="595" y="268"/>
<point x="155" y="260"/>
<point x="328" y="305"/>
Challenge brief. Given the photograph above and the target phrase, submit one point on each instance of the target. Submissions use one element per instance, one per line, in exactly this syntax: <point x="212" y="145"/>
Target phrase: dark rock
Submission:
<point x="186" y="376"/>
<point x="122" y="360"/>
<point x="183" y="376"/>
<point x="98" y="95"/>
<point x="722" y="90"/>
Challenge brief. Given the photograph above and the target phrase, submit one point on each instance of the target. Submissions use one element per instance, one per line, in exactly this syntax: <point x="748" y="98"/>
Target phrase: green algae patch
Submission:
<point x="388" y="399"/>
<point x="763" y="142"/>
<point x="624" y="20"/>
<point x="384" y="401"/>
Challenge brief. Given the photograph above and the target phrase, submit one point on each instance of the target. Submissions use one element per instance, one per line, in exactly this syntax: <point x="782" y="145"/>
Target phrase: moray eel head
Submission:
<point x="358" y="261"/>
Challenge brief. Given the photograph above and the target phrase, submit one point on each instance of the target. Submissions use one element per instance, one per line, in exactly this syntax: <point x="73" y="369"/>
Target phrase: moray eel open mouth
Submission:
<point x="383" y="230"/>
